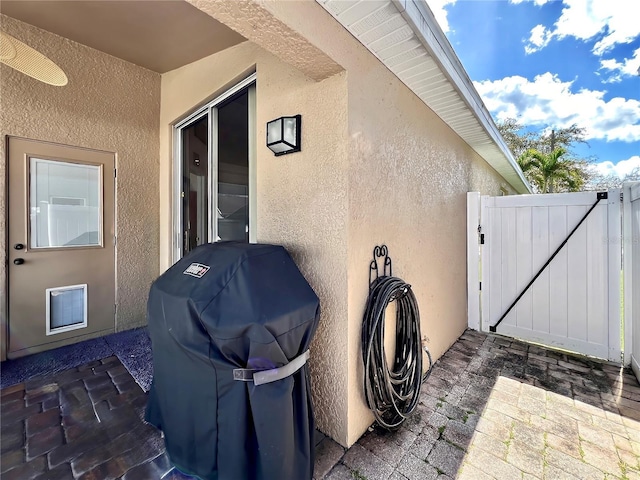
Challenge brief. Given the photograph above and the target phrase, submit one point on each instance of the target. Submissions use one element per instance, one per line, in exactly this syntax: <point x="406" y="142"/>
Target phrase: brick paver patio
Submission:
<point x="493" y="408"/>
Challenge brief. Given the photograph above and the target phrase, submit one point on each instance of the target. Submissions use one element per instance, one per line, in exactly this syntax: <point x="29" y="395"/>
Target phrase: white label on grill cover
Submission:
<point x="196" y="270"/>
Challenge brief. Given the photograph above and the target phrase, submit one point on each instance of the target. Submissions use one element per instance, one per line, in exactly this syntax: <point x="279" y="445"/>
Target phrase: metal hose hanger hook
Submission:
<point x="379" y="252"/>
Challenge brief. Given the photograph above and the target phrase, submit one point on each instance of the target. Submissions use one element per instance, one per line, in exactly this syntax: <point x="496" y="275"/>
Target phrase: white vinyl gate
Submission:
<point x="632" y="270"/>
<point x="574" y="302"/>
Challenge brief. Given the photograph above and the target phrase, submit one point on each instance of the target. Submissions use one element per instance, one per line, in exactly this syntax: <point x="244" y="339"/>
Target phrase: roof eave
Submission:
<point x="477" y="128"/>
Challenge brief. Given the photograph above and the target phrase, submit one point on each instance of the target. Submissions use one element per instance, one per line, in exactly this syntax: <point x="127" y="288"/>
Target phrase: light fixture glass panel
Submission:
<point x="274" y="129"/>
<point x="290" y="130"/>
<point x="279" y="148"/>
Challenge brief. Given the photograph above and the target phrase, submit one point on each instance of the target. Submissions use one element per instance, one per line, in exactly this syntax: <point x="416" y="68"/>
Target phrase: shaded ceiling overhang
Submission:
<point x="157" y="35"/>
<point x="405" y="36"/>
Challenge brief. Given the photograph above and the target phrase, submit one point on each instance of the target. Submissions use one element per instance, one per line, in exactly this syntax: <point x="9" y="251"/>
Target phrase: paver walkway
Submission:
<point x="496" y="408"/>
<point x="493" y="408"/>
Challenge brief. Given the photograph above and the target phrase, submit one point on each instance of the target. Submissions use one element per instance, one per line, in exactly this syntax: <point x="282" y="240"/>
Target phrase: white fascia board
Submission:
<point x="422" y="21"/>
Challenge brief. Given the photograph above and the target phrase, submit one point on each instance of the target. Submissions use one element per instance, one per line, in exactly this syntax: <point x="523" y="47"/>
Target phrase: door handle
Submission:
<point x="18" y="246"/>
<point x="18" y="261"/>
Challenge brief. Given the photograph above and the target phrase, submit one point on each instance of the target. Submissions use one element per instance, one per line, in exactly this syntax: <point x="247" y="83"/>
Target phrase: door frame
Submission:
<point x="210" y="109"/>
<point x="631" y="245"/>
<point x="4" y="312"/>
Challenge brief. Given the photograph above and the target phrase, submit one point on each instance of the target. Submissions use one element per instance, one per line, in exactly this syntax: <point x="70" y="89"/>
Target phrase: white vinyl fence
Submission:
<point x="574" y="301"/>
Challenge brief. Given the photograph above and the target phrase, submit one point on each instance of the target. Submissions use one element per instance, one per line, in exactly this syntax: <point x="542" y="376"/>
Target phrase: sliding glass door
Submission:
<point x="215" y="171"/>
<point x="195" y="184"/>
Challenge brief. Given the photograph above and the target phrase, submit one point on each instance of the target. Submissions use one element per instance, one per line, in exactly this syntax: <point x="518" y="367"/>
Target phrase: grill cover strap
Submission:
<point x="260" y="377"/>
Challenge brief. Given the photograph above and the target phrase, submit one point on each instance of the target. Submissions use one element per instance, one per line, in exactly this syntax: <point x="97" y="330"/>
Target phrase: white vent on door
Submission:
<point x="66" y="308"/>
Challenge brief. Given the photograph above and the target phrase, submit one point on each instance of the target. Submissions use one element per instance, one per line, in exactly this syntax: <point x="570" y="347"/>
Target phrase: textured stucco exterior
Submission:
<point x="414" y="201"/>
<point x="109" y="105"/>
<point x="406" y="182"/>
<point x="376" y="166"/>
<point x="265" y="29"/>
<point x="301" y="199"/>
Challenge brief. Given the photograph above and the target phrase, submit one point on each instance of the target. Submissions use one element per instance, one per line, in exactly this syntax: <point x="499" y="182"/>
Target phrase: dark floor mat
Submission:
<point x="132" y="347"/>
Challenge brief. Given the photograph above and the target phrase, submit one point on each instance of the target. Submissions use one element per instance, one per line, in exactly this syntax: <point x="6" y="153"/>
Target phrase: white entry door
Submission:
<point x="549" y="269"/>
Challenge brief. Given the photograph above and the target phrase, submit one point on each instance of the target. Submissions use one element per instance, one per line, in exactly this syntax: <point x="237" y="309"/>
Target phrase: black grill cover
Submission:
<point x="251" y="308"/>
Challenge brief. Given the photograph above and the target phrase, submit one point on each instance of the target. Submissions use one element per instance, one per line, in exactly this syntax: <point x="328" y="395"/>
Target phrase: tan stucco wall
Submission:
<point x="110" y="105"/>
<point x="390" y="172"/>
<point x="413" y="200"/>
<point x="301" y="199"/>
<point x="377" y="166"/>
<point x="408" y="175"/>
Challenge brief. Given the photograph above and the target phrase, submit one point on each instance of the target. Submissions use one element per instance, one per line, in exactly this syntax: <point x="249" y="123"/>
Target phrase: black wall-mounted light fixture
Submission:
<point x="283" y="135"/>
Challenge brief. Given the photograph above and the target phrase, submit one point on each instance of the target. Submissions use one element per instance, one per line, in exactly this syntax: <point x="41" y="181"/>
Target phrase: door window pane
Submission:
<point x="233" y="212"/>
<point x="64" y="204"/>
<point x="233" y="169"/>
<point x="195" y="184"/>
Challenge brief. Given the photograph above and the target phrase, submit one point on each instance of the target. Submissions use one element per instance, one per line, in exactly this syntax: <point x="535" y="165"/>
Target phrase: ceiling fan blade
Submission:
<point x="29" y="61"/>
<point x="7" y="50"/>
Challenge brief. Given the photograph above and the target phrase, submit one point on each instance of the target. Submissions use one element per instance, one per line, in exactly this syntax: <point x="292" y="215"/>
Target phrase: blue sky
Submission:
<point x="555" y="63"/>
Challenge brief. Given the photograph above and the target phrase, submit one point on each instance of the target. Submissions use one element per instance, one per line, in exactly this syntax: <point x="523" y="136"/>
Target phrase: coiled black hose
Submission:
<point x="392" y="395"/>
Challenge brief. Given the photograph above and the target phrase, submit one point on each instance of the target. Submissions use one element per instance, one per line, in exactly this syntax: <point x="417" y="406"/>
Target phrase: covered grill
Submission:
<point x="230" y="326"/>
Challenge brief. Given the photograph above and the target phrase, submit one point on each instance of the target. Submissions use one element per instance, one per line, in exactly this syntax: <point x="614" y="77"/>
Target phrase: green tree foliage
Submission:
<point x="550" y="172"/>
<point x="546" y="157"/>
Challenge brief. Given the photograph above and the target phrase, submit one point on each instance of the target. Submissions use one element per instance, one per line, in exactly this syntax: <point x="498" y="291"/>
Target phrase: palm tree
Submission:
<point x="550" y="173"/>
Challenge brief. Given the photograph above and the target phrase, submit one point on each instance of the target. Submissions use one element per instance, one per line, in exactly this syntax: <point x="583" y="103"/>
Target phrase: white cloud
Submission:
<point x="618" y="70"/>
<point x="440" y="12"/>
<point x="537" y="2"/>
<point x="548" y="101"/>
<point x="609" y="20"/>
<point x="540" y="38"/>
<point x="620" y="169"/>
